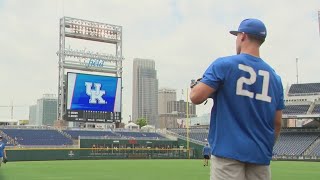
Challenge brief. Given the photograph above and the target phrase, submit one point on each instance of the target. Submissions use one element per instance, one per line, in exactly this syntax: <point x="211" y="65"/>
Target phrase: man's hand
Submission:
<point x="200" y="93"/>
<point x="194" y="82"/>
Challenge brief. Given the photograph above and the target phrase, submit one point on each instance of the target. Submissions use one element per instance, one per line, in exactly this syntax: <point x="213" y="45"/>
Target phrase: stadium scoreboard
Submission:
<point x="93" y="116"/>
<point x="93" y="98"/>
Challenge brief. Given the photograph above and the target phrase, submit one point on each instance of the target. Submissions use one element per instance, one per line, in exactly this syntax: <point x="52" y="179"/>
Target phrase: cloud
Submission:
<point x="183" y="37"/>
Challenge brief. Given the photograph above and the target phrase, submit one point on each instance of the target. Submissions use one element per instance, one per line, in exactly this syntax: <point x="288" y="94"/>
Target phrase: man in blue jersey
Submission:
<point x="3" y="155"/>
<point x="206" y="154"/>
<point x="247" y="112"/>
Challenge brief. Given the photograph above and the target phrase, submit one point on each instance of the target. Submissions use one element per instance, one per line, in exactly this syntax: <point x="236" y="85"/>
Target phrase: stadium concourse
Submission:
<point x="300" y="134"/>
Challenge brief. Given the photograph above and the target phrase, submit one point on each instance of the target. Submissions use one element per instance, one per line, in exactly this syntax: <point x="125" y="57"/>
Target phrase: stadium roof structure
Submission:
<point x="303" y="102"/>
<point x="306" y="88"/>
<point x="146" y="127"/>
<point x="301" y="116"/>
<point x="131" y="125"/>
<point x="8" y="120"/>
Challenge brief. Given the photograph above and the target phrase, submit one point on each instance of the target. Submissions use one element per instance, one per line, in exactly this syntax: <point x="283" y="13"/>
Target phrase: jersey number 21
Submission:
<point x="263" y="96"/>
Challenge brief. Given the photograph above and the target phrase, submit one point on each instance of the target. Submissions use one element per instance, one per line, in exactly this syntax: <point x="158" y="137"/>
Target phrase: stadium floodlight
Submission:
<point x="92" y="30"/>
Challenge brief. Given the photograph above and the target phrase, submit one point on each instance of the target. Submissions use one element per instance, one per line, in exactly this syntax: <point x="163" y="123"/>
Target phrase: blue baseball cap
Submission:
<point x="253" y="27"/>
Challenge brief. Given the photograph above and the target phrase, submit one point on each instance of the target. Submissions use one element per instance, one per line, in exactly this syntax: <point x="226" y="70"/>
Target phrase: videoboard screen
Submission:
<point x="93" y="98"/>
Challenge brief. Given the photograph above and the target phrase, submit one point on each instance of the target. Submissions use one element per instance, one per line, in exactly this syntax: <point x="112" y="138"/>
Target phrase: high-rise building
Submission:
<point x="165" y="95"/>
<point x="145" y="91"/>
<point x="180" y="107"/>
<point x="176" y="110"/>
<point x="33" y="114"/>
<point x="46" y="110"/>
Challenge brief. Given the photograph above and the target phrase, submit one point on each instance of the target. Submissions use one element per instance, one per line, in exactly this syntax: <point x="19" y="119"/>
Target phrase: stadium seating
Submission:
<point x="296" y="109"/>
<point x="55" y="138"/>
<point x="113" y="134"/>
<point x="315" y="150"/>
<point x="6" y="142"/>
<point x="199" y="134"/>
<point x="294" y="143"/>
<point x="76" y="133"/>
<point x="316" y="109"/>
<point x="289" y="143"/>
<point x="37" y="137"/>
<point x="307" y="88"/>
<point x="140" y="135"/>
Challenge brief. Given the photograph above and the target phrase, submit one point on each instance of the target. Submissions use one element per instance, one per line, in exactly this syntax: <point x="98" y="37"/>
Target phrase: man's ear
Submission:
<point x="243" y="36"/>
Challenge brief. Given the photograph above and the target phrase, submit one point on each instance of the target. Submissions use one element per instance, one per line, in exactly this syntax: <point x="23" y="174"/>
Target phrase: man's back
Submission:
<point x="206" y="150"/>
<point x="248" y="94"/>
<point x="247" y="111"/>
<point x="2" y="146"/>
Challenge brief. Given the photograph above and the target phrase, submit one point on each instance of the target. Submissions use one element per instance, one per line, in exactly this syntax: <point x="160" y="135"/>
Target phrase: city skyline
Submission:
<point x="183" y="38"/>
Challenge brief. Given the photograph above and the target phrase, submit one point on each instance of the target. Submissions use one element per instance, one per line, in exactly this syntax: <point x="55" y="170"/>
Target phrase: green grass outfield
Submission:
<point x="139" y="170"/>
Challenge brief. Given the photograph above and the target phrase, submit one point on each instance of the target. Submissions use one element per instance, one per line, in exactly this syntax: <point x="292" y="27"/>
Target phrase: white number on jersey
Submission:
<point x="249" y="81"/>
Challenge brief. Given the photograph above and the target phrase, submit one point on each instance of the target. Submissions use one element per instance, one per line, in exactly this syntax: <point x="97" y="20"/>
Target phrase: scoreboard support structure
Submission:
<point x="75" y="60"/>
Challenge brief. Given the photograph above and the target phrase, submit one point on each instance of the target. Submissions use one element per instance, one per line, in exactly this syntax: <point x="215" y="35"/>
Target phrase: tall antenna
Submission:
<point x="11" y="109"/>
<point x="297" y="70"/>
<point x="319" y="20"/>
<point x="182" y="94"/>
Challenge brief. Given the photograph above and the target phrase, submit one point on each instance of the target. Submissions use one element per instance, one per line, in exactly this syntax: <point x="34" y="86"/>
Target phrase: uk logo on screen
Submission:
<point x="93" y="92"/>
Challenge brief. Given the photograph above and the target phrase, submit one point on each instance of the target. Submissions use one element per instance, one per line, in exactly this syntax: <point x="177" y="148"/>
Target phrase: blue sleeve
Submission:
<point x="215" y="74"/>
<point x="280" y="105"/>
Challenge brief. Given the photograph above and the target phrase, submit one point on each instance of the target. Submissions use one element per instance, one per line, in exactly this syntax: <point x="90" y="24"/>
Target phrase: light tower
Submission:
<point x="86" y="60"/>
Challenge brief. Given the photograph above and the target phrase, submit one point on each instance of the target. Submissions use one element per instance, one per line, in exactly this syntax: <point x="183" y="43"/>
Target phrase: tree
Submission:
<point x="141" y="122"/>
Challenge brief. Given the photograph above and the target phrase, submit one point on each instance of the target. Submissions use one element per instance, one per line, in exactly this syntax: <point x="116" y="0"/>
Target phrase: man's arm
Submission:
<point x="200" y="92"/>
<point x="277" y="125"/>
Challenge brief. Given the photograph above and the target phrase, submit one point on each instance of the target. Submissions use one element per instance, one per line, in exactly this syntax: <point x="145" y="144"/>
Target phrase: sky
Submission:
<point x="183" y="37"/>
